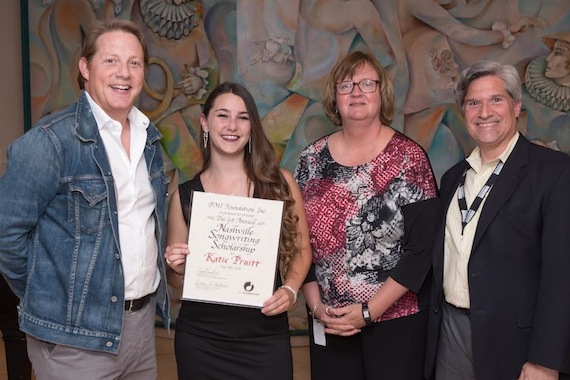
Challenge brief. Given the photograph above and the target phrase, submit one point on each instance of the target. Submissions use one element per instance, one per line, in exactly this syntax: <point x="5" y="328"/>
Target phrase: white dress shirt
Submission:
<point x="135" y="201"/>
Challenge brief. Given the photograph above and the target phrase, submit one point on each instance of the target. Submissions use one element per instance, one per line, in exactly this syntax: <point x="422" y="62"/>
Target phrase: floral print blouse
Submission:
<point x="355" y="218"/>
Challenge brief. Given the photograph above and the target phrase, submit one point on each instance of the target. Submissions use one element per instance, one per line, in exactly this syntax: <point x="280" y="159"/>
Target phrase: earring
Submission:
<point x="249" y="145"/>
<point x="336" y="110"/>
<point x="205" y="139"/>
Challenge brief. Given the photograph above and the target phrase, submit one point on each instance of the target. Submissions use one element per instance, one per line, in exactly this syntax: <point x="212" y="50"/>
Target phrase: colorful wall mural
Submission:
<point x="283" y="49"/>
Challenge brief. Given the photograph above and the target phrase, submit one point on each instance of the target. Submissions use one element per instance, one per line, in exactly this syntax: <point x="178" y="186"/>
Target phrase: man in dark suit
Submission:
<point x="501" y="296"/>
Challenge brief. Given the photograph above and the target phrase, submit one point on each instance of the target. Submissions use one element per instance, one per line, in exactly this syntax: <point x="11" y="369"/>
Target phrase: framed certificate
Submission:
<point x="234" y="244"/>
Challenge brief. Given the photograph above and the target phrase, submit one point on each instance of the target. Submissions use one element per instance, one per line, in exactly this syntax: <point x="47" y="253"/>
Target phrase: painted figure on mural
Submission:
<point x="183" y="70"/>
<point x="316" y="23"/>
<point x="424" y="44"/>
<point x="335" y="26"/>
<point x="521" y="22"/>
<point x="414" y="46"/>
<point x="546" y="95"/>
<point x="430" y="36"/>
<point x="273" y="49"/>
<point x="55" y="67"/>
<point x="319" y="24"/>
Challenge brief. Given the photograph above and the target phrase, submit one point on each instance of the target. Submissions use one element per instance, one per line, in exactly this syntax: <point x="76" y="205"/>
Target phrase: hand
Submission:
<point x="176" y="257"/>
<point x="278" y="303"/>
<point x="522" y="24"/>
<point x="531" y="371"/>
<point x="190" y="85"/>
<point x="343" y="321"/>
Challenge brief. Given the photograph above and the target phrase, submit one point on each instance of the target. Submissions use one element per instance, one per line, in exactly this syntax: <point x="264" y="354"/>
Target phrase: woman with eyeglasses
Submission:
<point x="369" y="194"/>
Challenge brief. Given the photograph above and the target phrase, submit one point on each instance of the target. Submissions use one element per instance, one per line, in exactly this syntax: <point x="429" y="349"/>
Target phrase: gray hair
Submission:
<point x="507" y="73"/>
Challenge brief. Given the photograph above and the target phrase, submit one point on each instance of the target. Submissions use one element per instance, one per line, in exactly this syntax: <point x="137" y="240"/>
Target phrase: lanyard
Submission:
<point x="467" y="214"/>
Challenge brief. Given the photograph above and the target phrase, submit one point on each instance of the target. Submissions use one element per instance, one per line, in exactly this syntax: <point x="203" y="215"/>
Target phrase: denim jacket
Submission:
<point x="59" y="242"/>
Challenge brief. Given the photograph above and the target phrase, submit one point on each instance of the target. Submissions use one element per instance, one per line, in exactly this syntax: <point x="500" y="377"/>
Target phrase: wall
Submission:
<point x="11" y="104"/>
<point x="269" y="46"/>
<point x="283" y="50"/>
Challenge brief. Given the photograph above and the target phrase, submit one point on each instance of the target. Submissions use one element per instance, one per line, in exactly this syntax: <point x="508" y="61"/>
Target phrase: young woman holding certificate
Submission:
<point x="216" y="341"/>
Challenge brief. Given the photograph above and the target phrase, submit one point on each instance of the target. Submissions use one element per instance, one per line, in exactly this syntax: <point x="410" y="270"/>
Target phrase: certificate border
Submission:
<point x="274" y="267"/>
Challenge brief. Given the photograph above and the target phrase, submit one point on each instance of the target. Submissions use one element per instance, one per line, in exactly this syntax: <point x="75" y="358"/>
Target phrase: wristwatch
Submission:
<point x="366" y="314"/>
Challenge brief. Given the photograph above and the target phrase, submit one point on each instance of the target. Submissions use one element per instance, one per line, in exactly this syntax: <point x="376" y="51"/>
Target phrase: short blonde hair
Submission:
<point x="346" y="68"/>
<point x="100" y="27"/>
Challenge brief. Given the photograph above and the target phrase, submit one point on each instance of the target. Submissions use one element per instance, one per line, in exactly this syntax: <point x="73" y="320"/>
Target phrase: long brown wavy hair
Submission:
<point x="261" y="169"/>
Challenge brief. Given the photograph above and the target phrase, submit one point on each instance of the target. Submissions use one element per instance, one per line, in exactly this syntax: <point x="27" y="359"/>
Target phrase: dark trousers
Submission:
<point x="389" y="350"/>
<point x="18" y="365"/>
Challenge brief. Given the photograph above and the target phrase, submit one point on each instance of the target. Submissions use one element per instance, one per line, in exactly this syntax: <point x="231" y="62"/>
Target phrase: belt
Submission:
<point x="135" y="305"/>
<point x="464" y="310"/>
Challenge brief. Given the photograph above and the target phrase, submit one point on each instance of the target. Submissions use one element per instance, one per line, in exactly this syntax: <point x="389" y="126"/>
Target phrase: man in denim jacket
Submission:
<point x="82" y="222"/>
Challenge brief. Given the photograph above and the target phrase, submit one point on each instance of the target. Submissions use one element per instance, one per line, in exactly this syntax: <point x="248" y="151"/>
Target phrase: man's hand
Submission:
<point x="531" y="371"/>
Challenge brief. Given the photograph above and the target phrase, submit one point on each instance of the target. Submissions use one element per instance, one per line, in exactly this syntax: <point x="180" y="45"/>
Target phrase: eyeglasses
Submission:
<point x="365" y="85"/>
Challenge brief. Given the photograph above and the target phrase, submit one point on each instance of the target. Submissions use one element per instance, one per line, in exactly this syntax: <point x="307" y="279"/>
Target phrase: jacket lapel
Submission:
<point x="511" y="175"/>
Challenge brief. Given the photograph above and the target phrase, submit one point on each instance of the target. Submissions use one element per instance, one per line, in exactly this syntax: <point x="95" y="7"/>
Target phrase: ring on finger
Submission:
<point x="168" y="262"/>
<point x="328" y="310"/>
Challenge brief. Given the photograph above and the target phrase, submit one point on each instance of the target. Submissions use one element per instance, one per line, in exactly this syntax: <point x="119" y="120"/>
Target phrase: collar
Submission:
<point x="474" y="159"/>
<point x="136" y="118"/>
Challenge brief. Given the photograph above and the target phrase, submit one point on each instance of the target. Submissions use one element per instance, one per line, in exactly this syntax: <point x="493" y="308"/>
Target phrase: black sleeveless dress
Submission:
<point x="221" y="342"/>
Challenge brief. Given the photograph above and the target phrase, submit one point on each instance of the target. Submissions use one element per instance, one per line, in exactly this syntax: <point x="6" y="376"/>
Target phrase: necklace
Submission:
<point x="215" y="190"/>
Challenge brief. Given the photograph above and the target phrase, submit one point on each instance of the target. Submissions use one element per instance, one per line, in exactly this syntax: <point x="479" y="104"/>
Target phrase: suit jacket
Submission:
<point x="519" y="268"/>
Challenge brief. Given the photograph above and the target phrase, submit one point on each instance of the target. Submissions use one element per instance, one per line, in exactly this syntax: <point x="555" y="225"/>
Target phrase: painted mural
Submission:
<point x="282" y="51"/>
